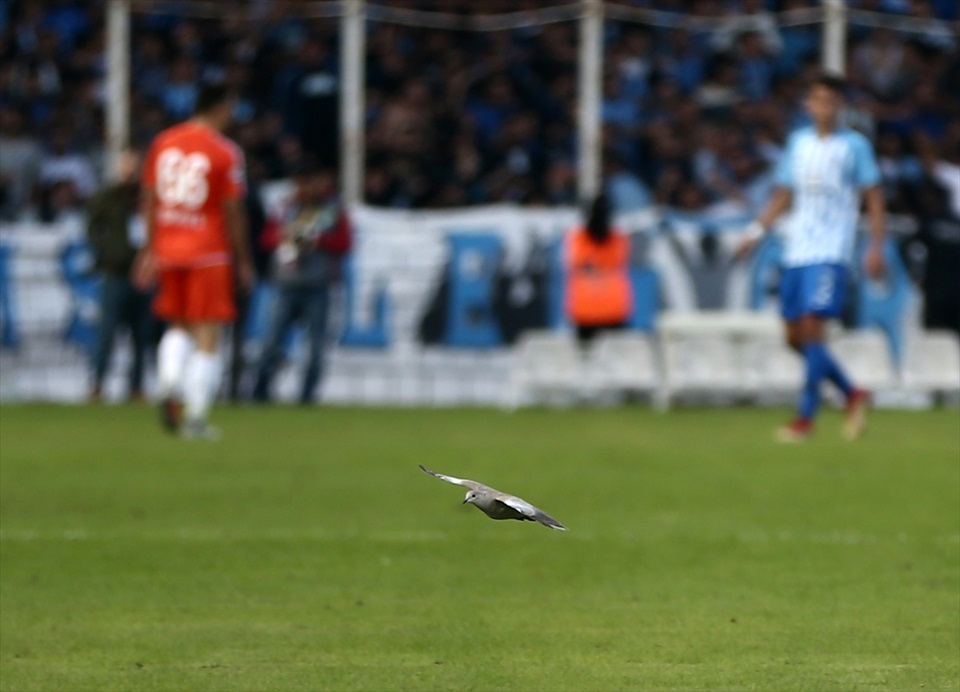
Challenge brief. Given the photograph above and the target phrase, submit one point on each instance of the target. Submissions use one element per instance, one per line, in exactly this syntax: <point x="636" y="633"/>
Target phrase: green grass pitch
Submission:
<point x="306" y="551"/>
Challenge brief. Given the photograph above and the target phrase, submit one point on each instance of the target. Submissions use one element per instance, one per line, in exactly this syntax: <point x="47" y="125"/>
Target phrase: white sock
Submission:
<point x="202" y="380"/>
<point x="172" y="353"/>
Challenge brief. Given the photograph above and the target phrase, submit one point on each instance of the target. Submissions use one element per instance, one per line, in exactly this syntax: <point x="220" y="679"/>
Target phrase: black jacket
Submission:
<point x="109" y="213"/>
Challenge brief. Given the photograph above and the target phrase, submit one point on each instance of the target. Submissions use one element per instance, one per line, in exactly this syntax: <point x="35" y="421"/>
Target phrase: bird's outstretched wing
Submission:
<point x="528" y="510"/>
<point x="473" y="485"/>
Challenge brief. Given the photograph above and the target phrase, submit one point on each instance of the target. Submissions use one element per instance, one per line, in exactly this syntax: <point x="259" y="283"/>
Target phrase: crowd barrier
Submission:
<point x="431" y="304"/>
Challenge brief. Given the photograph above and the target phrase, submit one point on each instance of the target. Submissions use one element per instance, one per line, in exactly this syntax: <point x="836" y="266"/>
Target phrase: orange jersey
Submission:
<point x="192" y="170"/>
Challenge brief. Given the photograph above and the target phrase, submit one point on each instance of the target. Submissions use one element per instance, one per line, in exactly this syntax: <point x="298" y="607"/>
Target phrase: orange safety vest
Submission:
<point x="598" y="279"/>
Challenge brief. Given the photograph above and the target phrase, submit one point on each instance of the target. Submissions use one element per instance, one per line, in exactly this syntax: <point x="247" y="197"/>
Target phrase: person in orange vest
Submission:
<point x="599" y="295"/>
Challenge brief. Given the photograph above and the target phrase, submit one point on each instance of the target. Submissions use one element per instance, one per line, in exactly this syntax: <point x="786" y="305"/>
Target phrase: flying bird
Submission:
<point x="497" y="505"/>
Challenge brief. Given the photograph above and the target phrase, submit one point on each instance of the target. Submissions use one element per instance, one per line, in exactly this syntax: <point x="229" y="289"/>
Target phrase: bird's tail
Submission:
<point x="550" y="522"/>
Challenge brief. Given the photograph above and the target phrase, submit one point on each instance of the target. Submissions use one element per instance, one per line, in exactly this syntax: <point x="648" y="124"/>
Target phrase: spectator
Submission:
<point x="307" y="96"/>
<point x="115" y="232"/>
<point x="879" y="61"/>
<point x="441" y="101"/>
<point x="179" y="94"/>
<point x="67" y="20"/>
<point x="799" y="42"/>
<point x="19" y="163"/>
<point x="43" y="72"/>
<point x="561" y="184"/>
<point x="149" y="65"/>
<point x="256" y="225"/>
<point x="897" y="169"/>
<point x="756" y="66"/>
<point x="750" y="18"/>
<point x="632" y="62"/>
<point x="625" y="190"/>
<point x="491" y="109"/>
<point x="939" y="234"/>
<point x="680" y="60"/>
<point x="599" y="295"/>
<point x="723" y="87"/>
<point x="942" y="164"/>
<point x="311" y="239"/>
<point x="936" y="33"/>
<point x="66" y="177"/>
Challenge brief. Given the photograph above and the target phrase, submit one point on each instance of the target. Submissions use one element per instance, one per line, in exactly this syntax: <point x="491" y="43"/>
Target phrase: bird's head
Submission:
<point x="471" y="497"/>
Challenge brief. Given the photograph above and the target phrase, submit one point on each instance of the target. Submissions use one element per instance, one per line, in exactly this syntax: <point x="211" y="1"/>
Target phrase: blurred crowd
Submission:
<point x="691" y="119"/>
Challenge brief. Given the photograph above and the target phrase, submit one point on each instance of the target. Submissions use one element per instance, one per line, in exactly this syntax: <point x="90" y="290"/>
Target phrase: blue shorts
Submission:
<point x="816" y="289"/>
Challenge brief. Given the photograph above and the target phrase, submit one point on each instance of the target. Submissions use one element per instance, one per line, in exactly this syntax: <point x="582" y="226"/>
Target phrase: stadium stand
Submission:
<point x="694" y="113"/>
<point x="495" y="108"/>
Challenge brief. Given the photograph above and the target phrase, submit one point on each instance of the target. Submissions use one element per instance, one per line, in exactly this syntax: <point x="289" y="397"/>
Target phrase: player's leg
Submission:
<point x="801" y="333"/>
<point x="821" y="365"/>
<point x="284" y="313"/>
<point x="110" y="310"/>
<point x="317" y="311"/>
<point x="585" y="335"/>
<point x="210" y="307"/>
<point x="237" y="360"/>
<point x="791" y="309"/>
<point x="175" y="345"/>
<point x="173" y="351"/>
<point x="132" y="315"/>
<point x="822" y="294"/>
<point x="141" y="324"/>
<point x="793" y="336"/>
<point x="829" y="291"/>
<point x="816" y="365"/>
<point x="202" y="379"/>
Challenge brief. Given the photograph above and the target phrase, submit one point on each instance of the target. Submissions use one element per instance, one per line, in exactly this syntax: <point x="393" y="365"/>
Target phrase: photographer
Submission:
<point x="310" y="240"/>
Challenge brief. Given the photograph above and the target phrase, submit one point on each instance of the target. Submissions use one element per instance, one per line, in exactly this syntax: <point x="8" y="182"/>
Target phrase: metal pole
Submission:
<point x="833" y="58"/>
<point x="118" y="82"/>
<point x="352" y="83"/>
<point x="589" y="94"/>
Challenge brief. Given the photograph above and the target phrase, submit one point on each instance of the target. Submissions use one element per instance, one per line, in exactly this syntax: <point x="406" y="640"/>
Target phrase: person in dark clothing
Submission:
<point x="307" y="95"/>
<point x="115" y="233"/>
<point x="939" y="233"/>
<point x="311" y="239"/>
<point x="256" y="223"/>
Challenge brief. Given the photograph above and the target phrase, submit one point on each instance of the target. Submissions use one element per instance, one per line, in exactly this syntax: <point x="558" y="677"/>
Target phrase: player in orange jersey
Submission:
<point x="193" y="192"/>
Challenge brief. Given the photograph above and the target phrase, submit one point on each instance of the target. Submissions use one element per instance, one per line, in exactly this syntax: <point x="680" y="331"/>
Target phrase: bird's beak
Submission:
<point x="465" y="501"/>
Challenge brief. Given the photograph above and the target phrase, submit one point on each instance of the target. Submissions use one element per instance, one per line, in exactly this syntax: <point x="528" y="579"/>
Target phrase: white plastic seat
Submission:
<point x="545" y="363"/>
<point x="770" y="366"/>
<point x="702" y="363"/>
<point x="620" y="362"/>
<point x="932" y="362"/>
<point x="865" y="356"/>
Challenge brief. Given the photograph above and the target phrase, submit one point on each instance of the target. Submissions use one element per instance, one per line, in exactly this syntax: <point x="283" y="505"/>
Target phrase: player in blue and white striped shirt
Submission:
<point x="824" y="172"/>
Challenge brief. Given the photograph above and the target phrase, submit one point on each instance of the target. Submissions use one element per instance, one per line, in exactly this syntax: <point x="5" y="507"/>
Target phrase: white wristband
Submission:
<point x="754" y="231"/>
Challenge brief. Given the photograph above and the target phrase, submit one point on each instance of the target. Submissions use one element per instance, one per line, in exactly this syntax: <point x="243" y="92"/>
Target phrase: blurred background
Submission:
<point x="467" y="137"/>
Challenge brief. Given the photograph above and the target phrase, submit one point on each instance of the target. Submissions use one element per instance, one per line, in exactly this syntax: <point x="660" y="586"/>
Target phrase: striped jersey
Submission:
<point x="826" y="176"/>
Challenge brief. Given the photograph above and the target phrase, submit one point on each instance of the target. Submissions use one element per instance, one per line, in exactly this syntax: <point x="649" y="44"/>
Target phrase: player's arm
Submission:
<point x="867" y="176"/>
<point x="148" y="210"/>
<point x="876" y="223"/>
<point x="235" y="214"/>
<point x="779" y="203"/>
<point x="144" y="270"/>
